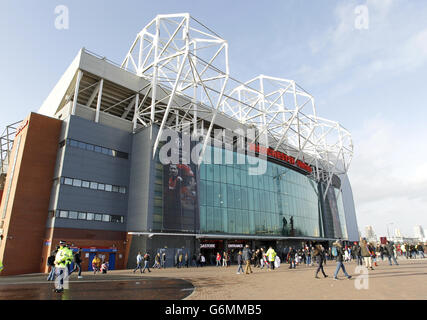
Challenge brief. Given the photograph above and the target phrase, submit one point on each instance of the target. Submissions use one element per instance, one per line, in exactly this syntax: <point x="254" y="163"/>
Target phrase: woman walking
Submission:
<point x="318" y="255"/>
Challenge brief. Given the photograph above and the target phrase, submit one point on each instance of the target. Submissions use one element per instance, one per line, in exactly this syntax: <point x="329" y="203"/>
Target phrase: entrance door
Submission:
<point x="112" y="261"/>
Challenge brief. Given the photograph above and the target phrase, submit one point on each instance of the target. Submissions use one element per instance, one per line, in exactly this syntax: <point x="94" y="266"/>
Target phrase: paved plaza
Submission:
<point x="405" y="281"/>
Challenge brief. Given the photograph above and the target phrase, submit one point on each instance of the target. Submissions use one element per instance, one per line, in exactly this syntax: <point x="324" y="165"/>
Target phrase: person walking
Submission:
<point x="179" y="265"/>
<point x="51" y="264"/>
<point x="420" y="250"/>
<point x="164" y="260"/>
<point x="364" y="251"/>
<point x="138" y="262"/>
<point x="239" y="262"/>
<point x="78" y="263"/>
<point x="390" y="253"/>
<point x="318" y="256"/>
<point x="224" y="259"/>
<point x="340" y="261"/>
<point x="218" y="259"/>
<point x="202" y="260"/>
<point x="291" y="257"/>
<point x="157" y="261"/>
<point x="186" y="260"/>
<point x="62" y="259"/>
<point x="307" y="256"/>
<point x="271" y="254"/>
<point x="146" y="262"/>
<point x="247" y="255"/>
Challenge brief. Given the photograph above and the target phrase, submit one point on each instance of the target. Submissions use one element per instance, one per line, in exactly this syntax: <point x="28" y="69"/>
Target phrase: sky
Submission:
<point x="364" y="61"/>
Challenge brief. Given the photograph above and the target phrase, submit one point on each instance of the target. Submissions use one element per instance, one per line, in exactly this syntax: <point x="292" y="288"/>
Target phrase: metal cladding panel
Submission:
<point x="94" y="167"/>
<point x="349" y="209"/>
<point x="140" y="185"/>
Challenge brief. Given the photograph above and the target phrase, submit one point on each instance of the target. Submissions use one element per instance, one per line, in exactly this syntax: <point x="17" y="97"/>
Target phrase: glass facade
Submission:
<point x="279" y="202"/>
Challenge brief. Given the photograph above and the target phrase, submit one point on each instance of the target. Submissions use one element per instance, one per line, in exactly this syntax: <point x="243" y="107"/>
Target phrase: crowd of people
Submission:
<point x="362" y="253"/>
<point x="62" y="262"/>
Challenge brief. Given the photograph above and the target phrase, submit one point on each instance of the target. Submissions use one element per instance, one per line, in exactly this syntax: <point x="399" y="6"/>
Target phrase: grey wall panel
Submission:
<point x="98" y="134"/>
<point x="91" y="225"/>
<point x="93" y="166"/>
<point x="87" y="200"/>
<point x="349" y="209"/>
<point x="140" y="183"/>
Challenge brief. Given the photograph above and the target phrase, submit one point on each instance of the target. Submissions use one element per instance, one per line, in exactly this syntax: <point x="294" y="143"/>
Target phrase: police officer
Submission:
<point x="63" y="258"/>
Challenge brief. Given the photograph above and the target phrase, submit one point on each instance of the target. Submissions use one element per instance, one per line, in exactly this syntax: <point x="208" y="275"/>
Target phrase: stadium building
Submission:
<point x="168" y="152"/>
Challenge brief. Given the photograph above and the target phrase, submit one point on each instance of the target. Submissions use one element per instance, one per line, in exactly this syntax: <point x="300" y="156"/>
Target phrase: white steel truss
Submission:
<point x="186" y="65"/>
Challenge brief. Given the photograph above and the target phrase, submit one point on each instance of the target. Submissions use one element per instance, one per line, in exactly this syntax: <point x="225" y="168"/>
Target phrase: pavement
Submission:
<point x="406" y="281"/>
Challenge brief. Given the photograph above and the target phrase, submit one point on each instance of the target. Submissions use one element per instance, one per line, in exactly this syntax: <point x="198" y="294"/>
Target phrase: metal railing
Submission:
<point x="6" y="144"/>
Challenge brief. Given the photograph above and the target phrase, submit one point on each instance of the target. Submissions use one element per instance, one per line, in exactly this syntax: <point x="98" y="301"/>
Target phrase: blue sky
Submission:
<point x="372" y="81"/>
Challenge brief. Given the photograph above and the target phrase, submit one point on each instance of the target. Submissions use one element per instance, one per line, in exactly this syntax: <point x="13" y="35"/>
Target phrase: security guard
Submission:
<point x="1" y="266"/>
<point x="63" y="258"/>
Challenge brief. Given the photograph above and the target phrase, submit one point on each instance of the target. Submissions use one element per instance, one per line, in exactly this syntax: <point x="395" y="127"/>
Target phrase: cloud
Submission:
<point x="389" y="175"/>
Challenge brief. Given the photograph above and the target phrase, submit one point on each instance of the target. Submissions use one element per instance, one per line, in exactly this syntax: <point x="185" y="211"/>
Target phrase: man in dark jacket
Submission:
<point x="247" y="255"/>
<point x="318" y="256"/>
<point x="51" y="264"/>
<point x="340" y="261"/>
<point x="390" y="253"/>
<point x="291" y="257"/>
<point x="78" y="263"/>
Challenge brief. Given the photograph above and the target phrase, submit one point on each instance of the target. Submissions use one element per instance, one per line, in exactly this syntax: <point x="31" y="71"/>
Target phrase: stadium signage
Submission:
<point x="280" y="156"/>
<point x="207" y="245"/>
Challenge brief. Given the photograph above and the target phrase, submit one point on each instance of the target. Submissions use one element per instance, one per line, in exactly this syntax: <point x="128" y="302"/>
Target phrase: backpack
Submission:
<point x="334" y="251"/>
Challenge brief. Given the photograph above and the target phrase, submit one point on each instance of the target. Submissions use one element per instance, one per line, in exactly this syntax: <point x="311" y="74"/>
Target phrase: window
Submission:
<point x="105" y="151"/>
<point x="117" y="219"/>
<point x="82" y="145"/>
<point x="106" y="217"/>
<point x="74" y="143"/>
<point x="73" y="215"/>
<point x="82" y="215"/>
<point x="85" y="184"/>
<point x="108" y="187"/>
<point x="115" y="189"/>
<point x="63" y="214"/>
<point x="122" y="190"/>
<point x="77" y="183"/>
<point x="68" y="181"/>
<point x="101" y="186"/>
<point x="98" y="149"/>
<point x="90" y="216"/>
<point x="90" y="147"/>
<point x="123" y="155"/>
<point x="94" y="185"/>
<point x="98" y="217"/>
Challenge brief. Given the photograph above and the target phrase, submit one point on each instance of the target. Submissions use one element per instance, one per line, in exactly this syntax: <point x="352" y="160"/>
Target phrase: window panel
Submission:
<point x="85" y="184"/>
<point x="68" y="181"/>
<point x="94" y="185"/>
<point x="73" y="215"/>
<point x="82" y="216"/>
<point x="90" y="216"/>
<point x="77" y="183"/>
<point x="108" y="187"/>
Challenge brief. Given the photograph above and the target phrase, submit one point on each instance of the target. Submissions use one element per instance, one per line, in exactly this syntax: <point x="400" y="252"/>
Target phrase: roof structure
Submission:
<point x="176" y="75"/>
